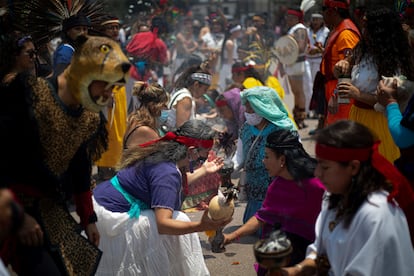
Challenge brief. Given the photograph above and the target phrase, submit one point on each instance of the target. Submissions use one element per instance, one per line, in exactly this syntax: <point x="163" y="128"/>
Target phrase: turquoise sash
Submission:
<point x="136" y="204"/>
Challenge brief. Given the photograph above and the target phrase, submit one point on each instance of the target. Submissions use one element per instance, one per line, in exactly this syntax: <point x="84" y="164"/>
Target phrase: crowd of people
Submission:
<point x="164" y="123"/>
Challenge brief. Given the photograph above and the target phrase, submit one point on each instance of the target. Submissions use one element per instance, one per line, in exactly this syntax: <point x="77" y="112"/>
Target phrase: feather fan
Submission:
<point x="43" y="18"/>
<point x="401" y="5"/>
<point x="305" y="5"/>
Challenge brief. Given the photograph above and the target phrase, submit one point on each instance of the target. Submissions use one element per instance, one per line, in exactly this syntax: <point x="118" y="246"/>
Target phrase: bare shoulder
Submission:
<point x="141" y="135"/>
<point x="184" y="102"/>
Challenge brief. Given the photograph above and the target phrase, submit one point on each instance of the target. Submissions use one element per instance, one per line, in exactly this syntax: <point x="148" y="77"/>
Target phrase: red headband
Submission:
<point x="342" y="154"/>
<point x="188" y="141"/>
<point x="402" y="190"/>
<point x="221" y="103"/>
<point x="409" y="11"/>
<point x="299" y="14"/>
<point x="335" y="4"/>
<point x="241" y="69"/>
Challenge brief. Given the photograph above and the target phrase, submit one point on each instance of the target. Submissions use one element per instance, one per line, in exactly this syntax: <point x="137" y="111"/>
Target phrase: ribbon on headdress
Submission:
<point x="188" y="141"/>
<point x="402" y="190"/>
<point x="209" y="100"/>
<point x="111" y="21"/>
<point x="241" y="69"/>
<point x="296" y="13"/>
<point x="235" y="29"/>
<point x="336" y="4"/>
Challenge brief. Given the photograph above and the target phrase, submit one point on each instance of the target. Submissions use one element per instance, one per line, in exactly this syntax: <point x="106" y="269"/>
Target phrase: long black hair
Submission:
<point x="385" y="41"/>
<point x="298" y="162"/>
<point x="350" y="134"/>
<point x="172" y="151"/>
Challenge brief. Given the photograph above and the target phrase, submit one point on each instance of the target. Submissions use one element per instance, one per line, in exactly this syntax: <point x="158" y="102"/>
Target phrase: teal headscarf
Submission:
<point x="266" y="102"/>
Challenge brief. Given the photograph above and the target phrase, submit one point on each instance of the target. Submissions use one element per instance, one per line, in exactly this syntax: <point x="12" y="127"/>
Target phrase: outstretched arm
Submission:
<point x="248" y="228"/>
<point x="169" y="226"/>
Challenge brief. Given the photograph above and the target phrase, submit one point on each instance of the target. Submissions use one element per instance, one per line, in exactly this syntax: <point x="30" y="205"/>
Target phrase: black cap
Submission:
<point x="75" y="20"/>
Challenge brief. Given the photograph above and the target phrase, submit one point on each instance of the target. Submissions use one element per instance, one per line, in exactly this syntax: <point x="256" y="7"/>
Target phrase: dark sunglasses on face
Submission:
<point x="112" y="28"/>
<point x="31" y="53"/>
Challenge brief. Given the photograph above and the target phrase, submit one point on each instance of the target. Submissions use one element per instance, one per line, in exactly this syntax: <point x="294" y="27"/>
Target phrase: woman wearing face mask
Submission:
<point x="143" y="123"/>
<point x="230" y="108"/>
<point x="264" y="114"/>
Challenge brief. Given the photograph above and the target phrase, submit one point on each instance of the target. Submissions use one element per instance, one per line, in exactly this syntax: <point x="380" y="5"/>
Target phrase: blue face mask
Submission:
<point x="164" y="116"/>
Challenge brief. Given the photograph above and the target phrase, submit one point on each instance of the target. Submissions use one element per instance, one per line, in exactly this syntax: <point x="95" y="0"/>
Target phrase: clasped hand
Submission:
<point x="385" y="94"/>
<point x="342" y="67"/>
<point x="348" y="90"/>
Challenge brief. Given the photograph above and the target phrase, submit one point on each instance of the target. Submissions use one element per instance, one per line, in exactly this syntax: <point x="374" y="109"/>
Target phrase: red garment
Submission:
<point x="344" y="37"/>
<point x="147" y="45"/>
<point x="202" y="190"/>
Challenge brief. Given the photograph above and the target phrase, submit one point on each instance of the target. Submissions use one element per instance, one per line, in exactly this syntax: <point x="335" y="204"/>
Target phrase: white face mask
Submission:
<point x="252" y="118"/>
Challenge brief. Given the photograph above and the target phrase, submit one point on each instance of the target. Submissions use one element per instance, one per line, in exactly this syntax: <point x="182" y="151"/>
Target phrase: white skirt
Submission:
<point x="134" y="247"/>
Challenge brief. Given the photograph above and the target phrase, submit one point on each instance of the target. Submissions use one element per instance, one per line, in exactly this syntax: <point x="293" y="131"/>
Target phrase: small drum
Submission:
<point x="286" y="49"/>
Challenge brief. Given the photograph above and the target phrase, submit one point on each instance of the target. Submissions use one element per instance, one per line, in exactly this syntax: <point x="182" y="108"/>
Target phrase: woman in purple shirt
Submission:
<point x="142" y="230"/>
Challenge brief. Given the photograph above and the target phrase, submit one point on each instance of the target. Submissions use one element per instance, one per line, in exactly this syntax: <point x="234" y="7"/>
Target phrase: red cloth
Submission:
<point x="137" y="76"/>
<point x="84" y="207"/>
<point x="335" y="51"/>
<point x="147" y="45"/>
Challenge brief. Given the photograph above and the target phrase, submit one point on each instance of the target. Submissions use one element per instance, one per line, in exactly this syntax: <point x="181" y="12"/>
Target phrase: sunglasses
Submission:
<point x="31" y="53"/>
<point x="112" y="28"/>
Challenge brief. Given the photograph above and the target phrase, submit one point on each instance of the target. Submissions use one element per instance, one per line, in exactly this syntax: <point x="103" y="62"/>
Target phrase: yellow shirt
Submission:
<point x="116" y="127"/>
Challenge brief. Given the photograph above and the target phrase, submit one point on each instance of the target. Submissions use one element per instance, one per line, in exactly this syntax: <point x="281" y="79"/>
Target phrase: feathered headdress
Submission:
<point x="401" y="6"/>
<point x="45" y="19"/>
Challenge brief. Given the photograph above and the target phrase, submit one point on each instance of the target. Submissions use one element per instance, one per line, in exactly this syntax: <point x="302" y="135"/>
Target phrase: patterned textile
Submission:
<point x="257" y="178"/>
<point x="64" y="236"/>
<point x="201" y="190"/>
<point x="52" y="118"/>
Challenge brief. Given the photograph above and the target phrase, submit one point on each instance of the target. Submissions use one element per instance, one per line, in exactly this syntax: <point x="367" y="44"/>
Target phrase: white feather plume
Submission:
<point x="306" y="5"/>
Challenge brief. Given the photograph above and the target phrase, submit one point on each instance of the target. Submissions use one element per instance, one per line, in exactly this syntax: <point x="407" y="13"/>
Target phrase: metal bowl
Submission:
<point x="272" y="260"/>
